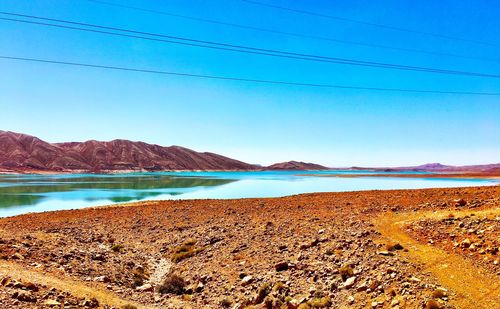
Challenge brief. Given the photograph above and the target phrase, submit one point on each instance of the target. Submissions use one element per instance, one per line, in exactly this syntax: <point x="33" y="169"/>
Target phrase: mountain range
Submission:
<point x="26" y="153"/>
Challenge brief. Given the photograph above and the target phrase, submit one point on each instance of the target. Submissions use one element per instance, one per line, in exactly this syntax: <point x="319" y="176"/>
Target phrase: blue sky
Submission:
<point x="254" y="122"/>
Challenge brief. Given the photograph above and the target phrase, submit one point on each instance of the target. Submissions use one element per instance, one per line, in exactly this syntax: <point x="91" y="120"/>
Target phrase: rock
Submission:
<point x="281" y="266"/>
<point x="24" y="296"/>
<point x="199" y="287"/>
<point x="17" y="256"/>
<point x="92" y="303"/>
<point x="30" y="286"/>
<point x="51" y="302"/>
<point x="350" y="300"/>
<point x="362" y="287"/>
<point x="98" y="257"/>
<point x="386" y="253"/>
<point x="102" y="279"/>
<point x="460" y="202"/>
<point x="465" y="243"/>
<point x="145" y="288"/>
<point x="349" y="282"/>
<point x="394" y="247"/>
<point x="246" y="280"/>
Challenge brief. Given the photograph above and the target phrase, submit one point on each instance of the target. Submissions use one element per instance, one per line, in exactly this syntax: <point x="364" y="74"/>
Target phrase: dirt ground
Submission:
<point x="430" y="248"/>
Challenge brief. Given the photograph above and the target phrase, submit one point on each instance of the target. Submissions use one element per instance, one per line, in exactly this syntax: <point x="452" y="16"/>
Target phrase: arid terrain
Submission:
<point x="431" y="248"/>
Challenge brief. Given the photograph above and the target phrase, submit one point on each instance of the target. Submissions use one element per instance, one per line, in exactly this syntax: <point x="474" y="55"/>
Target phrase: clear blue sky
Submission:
<point x="251" y="122"/>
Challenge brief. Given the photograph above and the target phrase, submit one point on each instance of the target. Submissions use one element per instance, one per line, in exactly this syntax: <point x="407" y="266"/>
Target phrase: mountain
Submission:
<point x="295" y="165"/>
<point x="22" y="153"/>
<point x="432" y="167"/>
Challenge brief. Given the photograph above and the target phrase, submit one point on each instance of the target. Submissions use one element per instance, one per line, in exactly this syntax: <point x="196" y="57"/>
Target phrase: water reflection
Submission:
<point x="31" y="190"/>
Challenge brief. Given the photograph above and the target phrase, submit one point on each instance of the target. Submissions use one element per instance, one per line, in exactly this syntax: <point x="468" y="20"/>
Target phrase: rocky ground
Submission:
<point x="475" y="236"/>
<point x="306" y="251"/>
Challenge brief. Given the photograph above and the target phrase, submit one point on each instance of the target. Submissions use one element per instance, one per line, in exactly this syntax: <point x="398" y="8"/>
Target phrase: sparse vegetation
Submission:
<point x="117" y="247"/>
<point x="173" y="284"/>
<point x="184" y="251"/>
<point x="138" y="277"/>
<point x="346" y="271"/>
<point x="226" y="302"/>
<point x="264" y="290"/>
<point x="322" y="302"/>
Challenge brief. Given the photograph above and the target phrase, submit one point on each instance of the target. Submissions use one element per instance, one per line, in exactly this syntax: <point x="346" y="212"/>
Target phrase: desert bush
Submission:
<point x="184" y="251"/>
<point x="138" y="277"/>
<point x="117" y="247"/>
<point x="263" y="291"/>
<point x="346" y="271"/>
<point x="225" y="302"/>
<point x="322" y="302"/>
<point x="173" y="284"/>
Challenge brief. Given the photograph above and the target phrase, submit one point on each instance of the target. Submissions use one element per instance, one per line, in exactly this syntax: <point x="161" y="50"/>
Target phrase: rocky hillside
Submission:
<point x="20" y="152"/>
<point x="295" y="165"/>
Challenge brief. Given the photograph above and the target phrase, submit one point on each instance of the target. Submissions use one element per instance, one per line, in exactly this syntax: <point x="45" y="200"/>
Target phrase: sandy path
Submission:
<point x="76" y="288"/>
<point x="474" y="286"/>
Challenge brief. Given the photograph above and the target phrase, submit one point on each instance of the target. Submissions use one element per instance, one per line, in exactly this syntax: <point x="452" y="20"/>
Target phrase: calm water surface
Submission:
<point x="34" y="193"/>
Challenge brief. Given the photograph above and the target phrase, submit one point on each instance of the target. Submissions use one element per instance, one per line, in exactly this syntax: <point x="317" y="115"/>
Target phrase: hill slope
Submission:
<point x="295" y="165"/>
<point x="20" y="152"/>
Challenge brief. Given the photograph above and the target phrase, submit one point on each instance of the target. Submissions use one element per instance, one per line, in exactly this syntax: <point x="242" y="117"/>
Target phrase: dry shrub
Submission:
<point x="173" y="284"/>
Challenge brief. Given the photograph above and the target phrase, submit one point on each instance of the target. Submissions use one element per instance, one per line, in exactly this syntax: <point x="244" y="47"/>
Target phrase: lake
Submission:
<point x="35" y="193"/>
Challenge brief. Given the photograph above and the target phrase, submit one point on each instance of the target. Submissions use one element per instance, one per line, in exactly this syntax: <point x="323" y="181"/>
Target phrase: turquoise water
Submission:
<point x="35" y="193"/>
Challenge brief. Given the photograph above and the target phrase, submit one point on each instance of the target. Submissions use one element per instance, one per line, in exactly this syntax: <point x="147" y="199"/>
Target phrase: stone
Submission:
<point x="145" y="288"/>
<point x="460" y="202"/>
<point x="281" y="266"/>
<point x="17" y="256"/>
<point x="24" y="296"/>
<point x="465" y="243"/>
<point x="51" y="302"/>
<point x="349" y="282"/>
<point x="199" y="287"/>
<point x="246" y="280"/>
<point x="386" y="253"/>
<point x="350" y="300"/>
<point x="102" y="279"/>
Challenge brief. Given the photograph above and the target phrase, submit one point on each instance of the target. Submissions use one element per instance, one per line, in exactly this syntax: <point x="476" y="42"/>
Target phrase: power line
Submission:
<point x="250" y="80"/>
<point x="293" y="34"/>
<point x="344" y="19"/>
<point x="240" y="48"/>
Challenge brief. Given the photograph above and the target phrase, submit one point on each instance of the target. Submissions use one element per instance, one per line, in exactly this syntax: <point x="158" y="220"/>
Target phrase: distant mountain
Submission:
<point x="25" y="153"/>
<point x="434" y="167"/>
<point x="295" y="165"/>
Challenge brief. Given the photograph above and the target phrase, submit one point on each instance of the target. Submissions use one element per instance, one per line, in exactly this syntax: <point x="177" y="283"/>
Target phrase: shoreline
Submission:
<point x="461" y="175"/>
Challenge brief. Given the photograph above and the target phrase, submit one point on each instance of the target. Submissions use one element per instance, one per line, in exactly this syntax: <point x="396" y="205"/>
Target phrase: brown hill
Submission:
<point x="20" y="152"/>
<point x="295" y="165"/>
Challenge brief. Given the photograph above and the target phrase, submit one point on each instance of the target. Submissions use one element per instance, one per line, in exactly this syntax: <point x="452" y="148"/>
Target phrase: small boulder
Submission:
<point x="349" y="282"/>
<point x="24" y="296"/>
<point x="102" y="279"/>
<point x="281" y="266"/>
<point x="246" y="280"/>
<point x="145" y="288"/>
